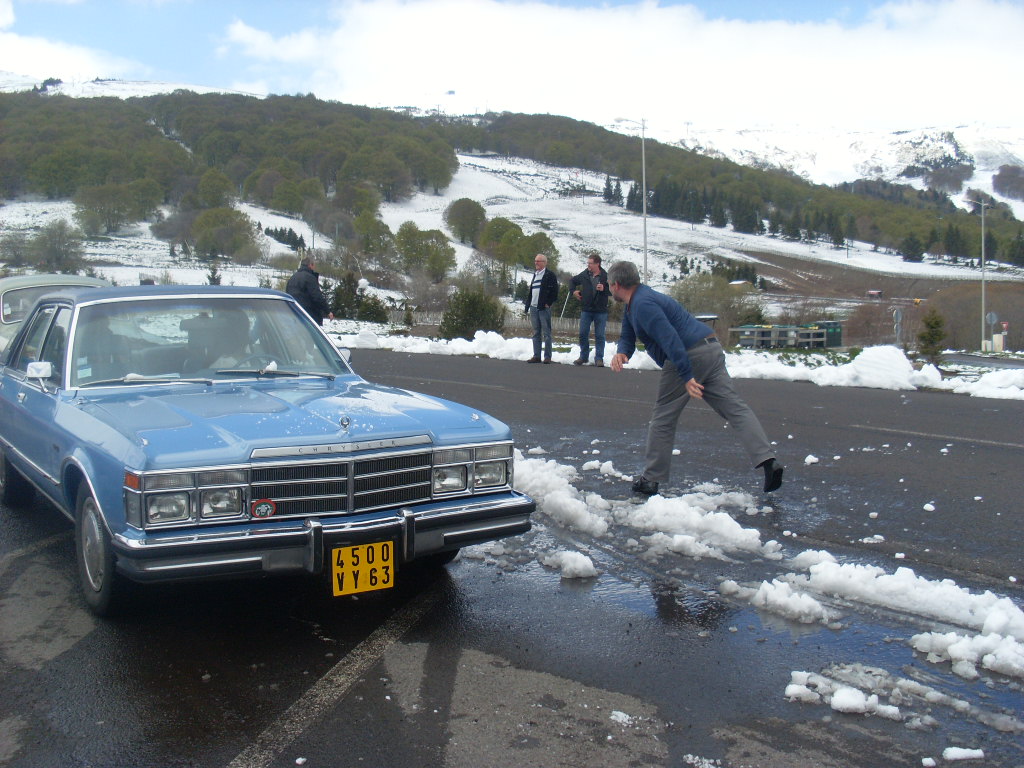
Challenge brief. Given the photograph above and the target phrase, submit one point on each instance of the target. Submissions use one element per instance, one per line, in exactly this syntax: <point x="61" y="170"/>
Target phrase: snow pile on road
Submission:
<point x="882" y="367"/>
<point x="701" y="524"/>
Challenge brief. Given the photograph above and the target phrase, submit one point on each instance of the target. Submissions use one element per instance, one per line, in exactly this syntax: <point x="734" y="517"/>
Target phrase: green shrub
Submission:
<point x="470" y="311"/>
<point x="371" y="309"/>
<point x="930" y="339"/>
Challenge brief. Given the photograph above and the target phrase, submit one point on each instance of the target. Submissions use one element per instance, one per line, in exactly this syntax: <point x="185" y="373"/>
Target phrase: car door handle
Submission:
<point x="21" y="397"/>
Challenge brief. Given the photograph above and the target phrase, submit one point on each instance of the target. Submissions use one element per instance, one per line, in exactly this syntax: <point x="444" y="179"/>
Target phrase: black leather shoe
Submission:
<point x="644" y="487"/>
<point x="772" y="475"/>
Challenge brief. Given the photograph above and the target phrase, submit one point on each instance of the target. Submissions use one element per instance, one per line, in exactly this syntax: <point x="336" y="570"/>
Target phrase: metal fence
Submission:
<point x="515" y="323"/>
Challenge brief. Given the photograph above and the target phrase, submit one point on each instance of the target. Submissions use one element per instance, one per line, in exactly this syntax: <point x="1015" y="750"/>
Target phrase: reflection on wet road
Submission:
<point x="660" y="658"/>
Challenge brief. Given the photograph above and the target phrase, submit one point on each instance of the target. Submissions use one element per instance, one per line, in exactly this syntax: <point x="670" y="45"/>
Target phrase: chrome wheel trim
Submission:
<point x="93" y="549"/>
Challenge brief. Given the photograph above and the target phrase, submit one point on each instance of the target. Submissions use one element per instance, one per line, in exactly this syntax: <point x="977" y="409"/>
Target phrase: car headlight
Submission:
<point x="168" y="508"/>
<point x="490" y="473"/>
<point x="450" y="479"/>
<point x="220" y="502"/>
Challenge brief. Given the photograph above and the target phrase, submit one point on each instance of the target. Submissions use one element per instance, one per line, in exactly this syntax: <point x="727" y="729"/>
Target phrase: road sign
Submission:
<point x="991" y="318"/>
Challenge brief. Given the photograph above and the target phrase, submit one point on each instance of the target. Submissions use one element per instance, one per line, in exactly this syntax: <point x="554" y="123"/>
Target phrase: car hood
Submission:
<point x="189" y="425"/>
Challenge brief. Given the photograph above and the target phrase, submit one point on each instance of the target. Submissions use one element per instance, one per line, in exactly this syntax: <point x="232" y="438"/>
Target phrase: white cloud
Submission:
<point x="908" y="64"/>
<point x="6" y="14"/>
<point x="39" y="58"/>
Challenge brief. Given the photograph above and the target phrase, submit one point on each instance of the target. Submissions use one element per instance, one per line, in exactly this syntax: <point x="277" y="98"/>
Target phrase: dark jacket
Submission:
<point x="304" y="287"/>
<point x="591" y="299"/>
<point x="665" y="328"/>
<point x="548" y="291"/>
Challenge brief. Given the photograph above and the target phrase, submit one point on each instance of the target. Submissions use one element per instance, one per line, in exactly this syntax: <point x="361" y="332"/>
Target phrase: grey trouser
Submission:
<point x="541" y="319"/>
<point x="708" y="363"/>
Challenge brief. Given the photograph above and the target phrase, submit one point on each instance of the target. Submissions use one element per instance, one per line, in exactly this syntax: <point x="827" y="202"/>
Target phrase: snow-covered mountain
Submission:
<point x="832" y="157"/>
<point x="823" y="157"/>
<point x="121" y="89"/>
<point x="526" y="192"/>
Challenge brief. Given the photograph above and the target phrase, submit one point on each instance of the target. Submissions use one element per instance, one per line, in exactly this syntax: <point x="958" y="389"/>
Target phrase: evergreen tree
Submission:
<point x="1014" y="250"/>
<point x="213" y="277"/>
<point x="693" y="208"/>
<point x="991" y="245"/>
<point x="791" y="230"/>
<point x="607" y="195"/>
<point x="953" y="242"/>
<point x="470" y="311"/>
<point x="851" y="227"/>
<point x="836" y="234"/>
<point x="930" y="339"/>
<point x="617" y="194"/>
<point x="345" y="297"/>
<point x="911" y="248"/>
<point x="718" y="215"/>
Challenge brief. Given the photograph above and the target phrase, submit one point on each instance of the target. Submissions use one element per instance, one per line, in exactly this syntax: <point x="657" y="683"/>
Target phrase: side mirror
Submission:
<point x="42" y="369"/>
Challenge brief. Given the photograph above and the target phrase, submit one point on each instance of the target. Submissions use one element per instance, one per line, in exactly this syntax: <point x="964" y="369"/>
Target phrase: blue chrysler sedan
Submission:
<point x="201" y="431"/>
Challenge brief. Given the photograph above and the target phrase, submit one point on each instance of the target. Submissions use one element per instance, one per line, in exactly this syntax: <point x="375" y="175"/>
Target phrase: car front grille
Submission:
<point x="343" y="486"/>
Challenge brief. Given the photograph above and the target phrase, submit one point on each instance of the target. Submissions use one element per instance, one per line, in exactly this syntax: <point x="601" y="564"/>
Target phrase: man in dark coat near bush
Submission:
<point x="304" y="287"/>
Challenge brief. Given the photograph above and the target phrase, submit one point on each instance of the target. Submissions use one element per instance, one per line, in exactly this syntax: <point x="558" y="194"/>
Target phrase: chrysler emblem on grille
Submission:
<point x="345" y="421"/>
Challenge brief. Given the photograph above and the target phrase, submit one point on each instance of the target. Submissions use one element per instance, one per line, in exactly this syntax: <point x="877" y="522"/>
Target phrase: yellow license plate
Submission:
<point x="362" y="568"/>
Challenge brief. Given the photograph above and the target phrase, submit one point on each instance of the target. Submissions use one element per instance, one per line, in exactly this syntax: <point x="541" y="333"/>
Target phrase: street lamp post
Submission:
<point x="643" y="176"/>
<point x="982" y="203"/>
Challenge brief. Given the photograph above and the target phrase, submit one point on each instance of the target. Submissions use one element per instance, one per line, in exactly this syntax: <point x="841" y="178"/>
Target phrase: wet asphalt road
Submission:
<point x="498" y="661"/>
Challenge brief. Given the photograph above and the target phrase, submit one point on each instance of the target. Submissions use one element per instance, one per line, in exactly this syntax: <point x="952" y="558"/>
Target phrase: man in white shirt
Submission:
<point x="543" y="293"/>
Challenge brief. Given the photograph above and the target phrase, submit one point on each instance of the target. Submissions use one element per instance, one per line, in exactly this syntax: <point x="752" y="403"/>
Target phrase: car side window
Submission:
<point x="35" y="334"/>
<point x="56" y="344"/>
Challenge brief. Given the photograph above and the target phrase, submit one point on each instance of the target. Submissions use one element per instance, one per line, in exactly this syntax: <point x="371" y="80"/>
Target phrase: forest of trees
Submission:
<point x="692" y="187"/>
<point x="121" y="160"/>
<point x="332" y="165"/>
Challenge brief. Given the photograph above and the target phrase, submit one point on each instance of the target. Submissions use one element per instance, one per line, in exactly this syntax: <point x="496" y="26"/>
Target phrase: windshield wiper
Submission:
<point x="138" y="378"/>
<point x="271" y="372"/>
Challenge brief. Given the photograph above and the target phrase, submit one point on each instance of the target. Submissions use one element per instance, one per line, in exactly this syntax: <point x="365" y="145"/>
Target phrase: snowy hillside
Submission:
<point x="119" y="89"/>
<point x="526" y="193"/>
<point x="523" y="191"/>
<point x="831" y="157"/>
<point x="821" y="156"/>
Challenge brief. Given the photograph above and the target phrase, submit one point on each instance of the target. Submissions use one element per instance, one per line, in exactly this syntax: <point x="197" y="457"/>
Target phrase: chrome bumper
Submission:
<point x="301" y="545"/>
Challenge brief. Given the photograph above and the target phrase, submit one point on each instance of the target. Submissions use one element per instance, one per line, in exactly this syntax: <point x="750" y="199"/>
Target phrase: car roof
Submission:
<point x="95" y="295"/>
<point x="29" y="281"/>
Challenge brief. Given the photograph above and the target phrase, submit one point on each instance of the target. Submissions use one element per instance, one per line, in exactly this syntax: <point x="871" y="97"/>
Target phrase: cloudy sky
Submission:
<point x="727" y="63"/>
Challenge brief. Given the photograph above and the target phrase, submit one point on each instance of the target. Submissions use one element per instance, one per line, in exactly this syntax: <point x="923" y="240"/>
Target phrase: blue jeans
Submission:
<point x="541" y="320"/>
<point x="599" y="319"/>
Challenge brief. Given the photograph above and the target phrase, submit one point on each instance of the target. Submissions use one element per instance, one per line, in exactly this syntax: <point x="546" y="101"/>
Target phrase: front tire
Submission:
<point x="102" y="587"/>
<point x="15" y="490"/>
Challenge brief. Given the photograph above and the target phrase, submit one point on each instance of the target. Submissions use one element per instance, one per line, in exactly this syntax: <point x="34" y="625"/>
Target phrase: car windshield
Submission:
<point x="197" y="338"/>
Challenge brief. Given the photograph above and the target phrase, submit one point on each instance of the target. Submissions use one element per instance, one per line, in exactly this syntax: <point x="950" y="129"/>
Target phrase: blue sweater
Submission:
<point x="665" y="328"/>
